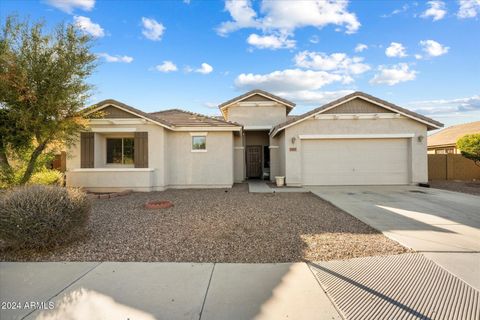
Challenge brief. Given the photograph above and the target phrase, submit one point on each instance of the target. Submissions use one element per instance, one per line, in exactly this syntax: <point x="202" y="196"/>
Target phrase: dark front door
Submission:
<point x="254" y="161"/>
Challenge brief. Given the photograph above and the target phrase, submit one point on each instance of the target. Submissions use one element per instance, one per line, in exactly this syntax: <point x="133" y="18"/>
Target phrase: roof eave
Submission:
<point x="430" y="123"/>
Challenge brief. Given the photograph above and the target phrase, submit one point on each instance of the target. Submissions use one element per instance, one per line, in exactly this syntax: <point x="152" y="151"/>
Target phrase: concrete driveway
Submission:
<point x="443" y="225"/>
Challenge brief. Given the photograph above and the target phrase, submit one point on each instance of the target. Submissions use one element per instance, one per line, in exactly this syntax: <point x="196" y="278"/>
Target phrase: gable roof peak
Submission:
<point x="431" y="124"/>
<point x="264" y="93"/>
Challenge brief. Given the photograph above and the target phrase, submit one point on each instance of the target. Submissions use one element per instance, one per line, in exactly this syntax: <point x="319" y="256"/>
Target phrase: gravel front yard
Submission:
<point x="471" y="187"/>
<point x="218" y="225"/>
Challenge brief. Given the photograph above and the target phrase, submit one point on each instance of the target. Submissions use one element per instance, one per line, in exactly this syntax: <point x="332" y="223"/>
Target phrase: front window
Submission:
<point x="120" y="151"/>
<point x="199" y="143"/>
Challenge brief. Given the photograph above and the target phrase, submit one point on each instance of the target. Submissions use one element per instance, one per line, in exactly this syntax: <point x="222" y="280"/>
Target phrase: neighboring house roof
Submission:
<point x="168" y="118"/>
<point x="450" y="135"/>
<point x="182" y="118"/>
<point x="266" y="94"/>
<point x="431" y="124"/>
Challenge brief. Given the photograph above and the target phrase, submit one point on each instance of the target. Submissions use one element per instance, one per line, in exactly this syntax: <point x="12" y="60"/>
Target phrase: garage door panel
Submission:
<point x="354" y="161"/>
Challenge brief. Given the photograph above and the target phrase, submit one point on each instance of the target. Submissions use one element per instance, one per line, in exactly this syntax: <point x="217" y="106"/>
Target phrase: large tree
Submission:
<point x="469" y="146"/>
<point x="42" y="89"/>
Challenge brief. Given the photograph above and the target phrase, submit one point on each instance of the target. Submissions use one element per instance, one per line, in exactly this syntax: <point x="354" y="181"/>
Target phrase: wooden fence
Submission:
<point x="60" y="162"/>
<point x="452" y="167"/>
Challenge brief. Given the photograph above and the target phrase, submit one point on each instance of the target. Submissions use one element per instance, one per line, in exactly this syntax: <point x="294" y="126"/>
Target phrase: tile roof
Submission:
<point x="182" y="118"/>
<point x="258" y="91"/>
<point x="349" y="96"/>
<point x="126" y="107"/>
<point x="450" y="135"/>
<point x="170" y="118"/>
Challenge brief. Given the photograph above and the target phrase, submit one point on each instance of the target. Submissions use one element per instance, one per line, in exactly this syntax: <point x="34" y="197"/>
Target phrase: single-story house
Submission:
<point x="445" y="141"/>
<point x="355" y="140"/>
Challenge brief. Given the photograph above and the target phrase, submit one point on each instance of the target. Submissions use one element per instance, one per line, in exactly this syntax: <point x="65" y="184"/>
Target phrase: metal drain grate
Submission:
<point x="406" y="286"/>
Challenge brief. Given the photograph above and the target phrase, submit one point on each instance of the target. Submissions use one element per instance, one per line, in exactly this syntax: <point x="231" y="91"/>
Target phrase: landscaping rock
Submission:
<point x="211" y="225"/>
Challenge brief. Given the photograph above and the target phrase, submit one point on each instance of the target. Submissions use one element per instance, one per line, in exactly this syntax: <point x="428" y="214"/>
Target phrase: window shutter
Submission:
<point x="87" y="149"/>
<point x="140" y="146"/>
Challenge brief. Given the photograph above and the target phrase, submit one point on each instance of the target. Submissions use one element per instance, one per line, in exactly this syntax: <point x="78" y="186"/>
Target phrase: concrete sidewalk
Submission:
<point x="146" y="291"/>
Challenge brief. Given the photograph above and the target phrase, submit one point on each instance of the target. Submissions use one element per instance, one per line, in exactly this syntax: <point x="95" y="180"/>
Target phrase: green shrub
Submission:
<point x="42" y="216"/>
<point x="47" y="177"/>
<point x="469" y="146"/>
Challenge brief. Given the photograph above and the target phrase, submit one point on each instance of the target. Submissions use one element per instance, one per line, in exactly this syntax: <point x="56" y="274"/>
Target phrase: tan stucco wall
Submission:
<point x="108" y="180"/>
<point x="257" y="115"/>
<point x="256" y="138"/>
<point x="156" y="136"/>
<point x="238" y="158"/>
<point x="170" y="157"/>
<point x="185" y="168"/>
<point x="418" y="150"/>
<point x="283" y="154"/>
<point x="275" y="157"/>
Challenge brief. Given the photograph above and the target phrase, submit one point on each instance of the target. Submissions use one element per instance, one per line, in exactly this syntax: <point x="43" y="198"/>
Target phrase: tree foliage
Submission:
<point x="469" y="146"/>
<point x="42" y="89"/>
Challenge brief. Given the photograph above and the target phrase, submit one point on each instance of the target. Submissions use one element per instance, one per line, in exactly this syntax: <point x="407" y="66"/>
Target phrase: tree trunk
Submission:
<point x="31" y="163"/>
<point x="5" y="168"/>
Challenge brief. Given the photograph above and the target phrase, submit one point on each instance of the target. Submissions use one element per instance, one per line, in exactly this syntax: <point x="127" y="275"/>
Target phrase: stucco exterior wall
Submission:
<point x="282" y="154"/>
<point x="238" y="158"/>
<point x="256" y="138"/>
<point x="171" y="162"/>
<point x="275" y="157"/>
<point x="108" y="180"/>
<point x="417" y="149"/>
<point x="187" y="169"/>
<point x="90" y="180"/>
<point x="257" y="115"/>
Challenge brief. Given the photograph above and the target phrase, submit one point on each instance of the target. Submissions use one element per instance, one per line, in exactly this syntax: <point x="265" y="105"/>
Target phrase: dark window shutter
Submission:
<point x="140" y="146"/>
<point x="86" y="149"/>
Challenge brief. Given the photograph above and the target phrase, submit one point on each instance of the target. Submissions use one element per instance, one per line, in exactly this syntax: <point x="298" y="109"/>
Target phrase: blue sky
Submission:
<point x="156" y="55"/>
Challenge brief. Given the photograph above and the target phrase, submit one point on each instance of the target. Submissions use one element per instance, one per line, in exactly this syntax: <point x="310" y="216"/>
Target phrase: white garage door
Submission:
<point x="355" y="161"/>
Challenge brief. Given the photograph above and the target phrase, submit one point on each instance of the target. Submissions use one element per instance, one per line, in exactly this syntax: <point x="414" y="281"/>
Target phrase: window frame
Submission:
<point x="123" y="164"/>
<point x="204" y="136"/>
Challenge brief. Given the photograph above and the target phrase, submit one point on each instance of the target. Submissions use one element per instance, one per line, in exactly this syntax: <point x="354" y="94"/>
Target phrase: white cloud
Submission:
<point x="436" y="11"/>
<point x="205" y="68"/>
<point x="433" y="48"/>
<point x="87" y="26"/>
<point x="242" y="14"/>
<point x="468" y="9"/>
<point x="116" y="58"/>
<point x="447" y="106"/>
<point x="396" y="50"/>
<point x="394" y="74"/>
<point x="270" y="41"/>
<point x="287" y="80"/>
<point x="69" y="6"/>
<point x="289" y="15"/>
<point x="314" y="39"/>
<point x="339" y="63"/>
<point x="211" y="105"/>
<point x="166" y="66"/>
<point x="361" y="47"/>
<point x="152" y="29"/>
<point x="403" y="9"/>
<point x="285" y="16"/>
